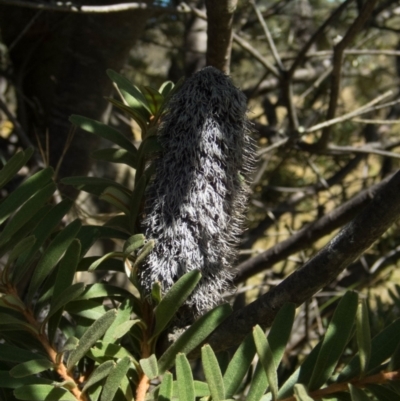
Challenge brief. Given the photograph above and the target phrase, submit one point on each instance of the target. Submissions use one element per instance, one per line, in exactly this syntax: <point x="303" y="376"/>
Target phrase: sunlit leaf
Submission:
<point x="150" y="366"/>
<point x="115" y="155"/>
<point x="41" y="392"/>
<point x="89" y="338"/>
<point x="114" y="379"/>
<point x="212" y="373"/>
<point x="31" y="367"/>
<point x="184" y="379"/>
<point x="300" y="392"/>
<point x="166" y="388"/>
<point x="363" y="335"/>
<point x="194" y="336"/>
<point x="357" y="394"/>
<point x="99" y="373"/>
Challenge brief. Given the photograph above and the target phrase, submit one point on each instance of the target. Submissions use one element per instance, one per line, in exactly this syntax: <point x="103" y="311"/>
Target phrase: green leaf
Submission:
<point x="279" y="334"/>
<point x="153" y="97"/>
<point x="89" y="338"/>
<point x="144" y="252"/>
<point x="363" y="335"/>
<point x="16" y="162"/>
<point x="52" y="256"/>
<point x="194" y="336"/>
<point x="166" y="87"/>
<point x="70" y="344"/>
<point x="103" y="350"/>
<point x="394" y="363"/>
<point x="335" y="340"/>
<point x="166" y="388"/>
<point x="258" y="384"/>
<point x="41" y="392"/>
<point x="8" y="323"/>
<point x="383" y="393"/>
<point x="24" y="192"/>
<point x="149" y="366"/>
<point x="6" y="381"/>
<point x="114" y="379"/>
<point x="267" y="359"/>
<point x="156" y="293"/>
<point x="117" y="198"/>
<point x="357" y="394"/>
<point x="123" y="317"/>
<point x="98" y="261"/>
<point x="10" y="353"/>
<point x="64" y="278"/>
<point x="149" y="146"/>
<point x="105" y="132"/>
<point x="31" y="368"/>
<point x="212" y="373"/>
<point x="136" y="200"/>
<point x="23" y="246"/>
<point x="383" y="347"/>
<point x="66" y="296"/>
<point x="93" y="185"/>
<point x="99" y="373"/>
<point x="133" y="243"/>
<point x="26" y="212"/>
<point x="43" y="230"/>
<point x="174" y="299"/>
<point x="114" y="155"/>
<point x="88" y="309"/>
<point x="102" y="290"/>
<point x="301" y="394"/>
<point x="136" y="100"/>
<point x="239" y="365"/>
<point x="184" y="378"/>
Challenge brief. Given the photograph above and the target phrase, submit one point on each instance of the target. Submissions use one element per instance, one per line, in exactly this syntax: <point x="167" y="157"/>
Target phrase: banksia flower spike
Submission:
<point x="196" y="200"/>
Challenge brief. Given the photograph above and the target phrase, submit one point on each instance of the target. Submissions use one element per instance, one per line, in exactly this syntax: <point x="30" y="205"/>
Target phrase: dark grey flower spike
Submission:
<point x="196" y="201"/>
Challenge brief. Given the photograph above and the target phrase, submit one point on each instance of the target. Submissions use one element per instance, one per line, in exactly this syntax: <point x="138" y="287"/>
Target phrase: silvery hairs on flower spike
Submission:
<point x="197" y="198"/>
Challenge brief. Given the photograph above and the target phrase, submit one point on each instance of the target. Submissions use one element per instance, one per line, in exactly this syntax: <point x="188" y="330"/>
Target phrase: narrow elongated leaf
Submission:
<point x="114" y="379"/>
<point x="300" y="392"/>
<point x="259" y="384"/>
<point x="107" y="264"/>
<point x="93" y="185"/>
<point x="383" y="346"/>
<point x="267" y="359"/>
<point x="22" y="246"/>
<point x="166" y="388"/>
<point x="149" y="366"/>
<point x="144" y="252"/>
<point x="102" y="350"/>
<point x="363" y="335"/>
<point x="6" y="381"/>
<point x="114" y="155"/>
<point x="102" y="290"/>
<point x="13" y="165"/>
<point x="184" y="378"/>
<point x="91" y="335"/>
<point x="26" y="212"/>
<point x="194" y="336"/>
<point x="42" y="232"/>
<point x="64" y="278"/>
<point x="66" y="296"/>
<point x="88" y="309"/>
<point x="117" y="198"/>
<point x="166" y="87"/>
<point x="239" y="365"/>
<point x="383" y="393"/>
<point x="8" y="323"/>
<point x="99" y="373"/>
<point x="24" y="192"/>
<point x="153" y="97"/>
<point x="335" y="340"/>
<point x="279" y="334"/>
<point x="31" y="368"/>
<point x="136" y="200"/>
<point x="394" y="363"/>
<point x="212" y="373"/>
<point x="52" y="256"/>
<point x="357" y="394"/>
<point x="40" y="392"/>
<point x="133" y="243"/>
<point x="123" y="317"/>
<point x="10" y="353"/>
<point x="104" y="131"/>
<point x="174" y="299"/>
<point x="136" y="100"/>
<point x="98" y="261"/>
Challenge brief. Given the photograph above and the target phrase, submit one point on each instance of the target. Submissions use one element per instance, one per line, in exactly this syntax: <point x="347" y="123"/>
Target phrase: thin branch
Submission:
<point x="71" y="7"/>
<point x="318" y="272"/>
<point x="219" y="33"/>
<point x="339" y="49"/>
<point x="268" y="35"/>
<point x="307" y="235"/>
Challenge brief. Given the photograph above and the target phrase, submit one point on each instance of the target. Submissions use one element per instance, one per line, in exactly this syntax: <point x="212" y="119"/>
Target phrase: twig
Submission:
<point x="25" y="30"/>
<point x="268" y="35"/>
<point x="380" y="122"/>
<point x="318" y="272"/>
<point x="256" y="54"/>
<point x="337" y="66"/>
<point x="70" y="7"/>
<point x="368" y="149"/>
<point x="276" y="145"/>
<point x="361" y="110"/>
